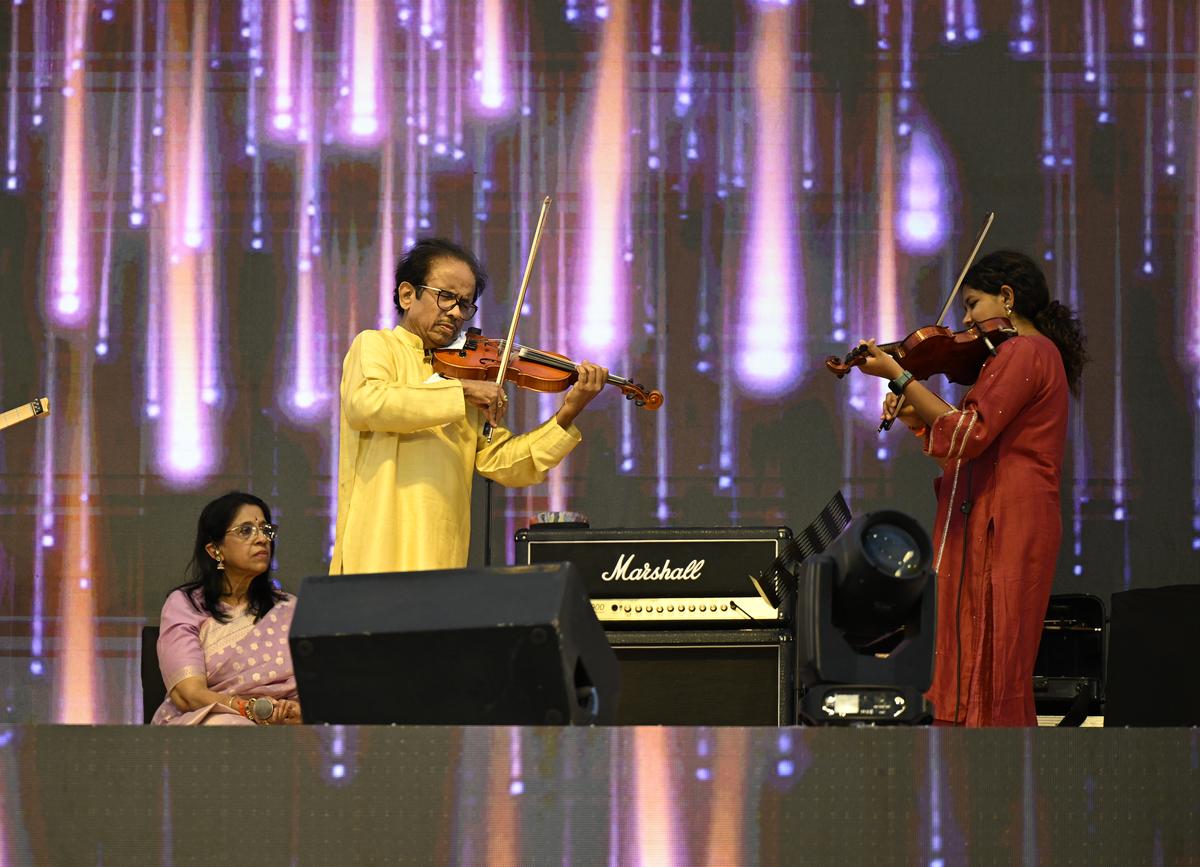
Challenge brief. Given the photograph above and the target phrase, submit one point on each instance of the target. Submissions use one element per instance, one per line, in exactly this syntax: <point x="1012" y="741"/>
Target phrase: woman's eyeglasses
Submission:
<point x="246" y="532"/>
<point x="447" y="301"/>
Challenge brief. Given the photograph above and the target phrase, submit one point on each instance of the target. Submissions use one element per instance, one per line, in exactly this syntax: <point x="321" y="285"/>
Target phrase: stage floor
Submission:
<point x="721" y="796"/>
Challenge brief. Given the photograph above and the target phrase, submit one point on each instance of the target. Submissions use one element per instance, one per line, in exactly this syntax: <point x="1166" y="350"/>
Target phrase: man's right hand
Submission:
<point x="488" y="397"/>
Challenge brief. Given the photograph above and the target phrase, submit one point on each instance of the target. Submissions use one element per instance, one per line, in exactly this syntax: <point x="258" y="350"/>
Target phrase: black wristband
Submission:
<point x="901" y="382"/>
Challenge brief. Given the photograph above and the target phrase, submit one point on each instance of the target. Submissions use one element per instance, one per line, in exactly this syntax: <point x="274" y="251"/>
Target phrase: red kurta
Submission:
<point x="1004" y="450"/>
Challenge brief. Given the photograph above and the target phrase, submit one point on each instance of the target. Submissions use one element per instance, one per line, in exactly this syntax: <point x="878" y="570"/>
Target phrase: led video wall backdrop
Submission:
<point x="203" y="202"/>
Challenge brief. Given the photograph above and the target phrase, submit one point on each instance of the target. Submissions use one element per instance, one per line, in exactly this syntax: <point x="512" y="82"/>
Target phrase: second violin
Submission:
<point x="936" y="349"/>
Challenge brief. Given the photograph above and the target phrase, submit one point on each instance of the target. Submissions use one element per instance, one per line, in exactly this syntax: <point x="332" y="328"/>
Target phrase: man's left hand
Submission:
<point x="590" y="383"/>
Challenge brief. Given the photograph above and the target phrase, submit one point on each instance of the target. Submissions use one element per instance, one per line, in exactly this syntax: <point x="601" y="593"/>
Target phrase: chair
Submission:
<point x="153" y="690"/>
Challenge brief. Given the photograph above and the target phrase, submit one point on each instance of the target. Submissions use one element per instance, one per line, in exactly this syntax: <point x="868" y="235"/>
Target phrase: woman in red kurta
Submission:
<point x="1001" y="453"/>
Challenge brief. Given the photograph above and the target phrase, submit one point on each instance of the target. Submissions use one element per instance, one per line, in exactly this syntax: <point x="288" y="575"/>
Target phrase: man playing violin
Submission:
<point x="998" y="525"/>
<point x="410" y="439"/>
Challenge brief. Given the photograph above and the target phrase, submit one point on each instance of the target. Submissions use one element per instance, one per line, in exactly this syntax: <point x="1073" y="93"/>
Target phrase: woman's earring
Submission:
<point x="1008" y="309"/>
<point x="220" y="564"/>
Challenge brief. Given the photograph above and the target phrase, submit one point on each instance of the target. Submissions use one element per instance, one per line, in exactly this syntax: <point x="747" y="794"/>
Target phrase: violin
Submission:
<point x="937" y="349"/>
<point x="958" y="355"/>
<point x="548" y="372"/>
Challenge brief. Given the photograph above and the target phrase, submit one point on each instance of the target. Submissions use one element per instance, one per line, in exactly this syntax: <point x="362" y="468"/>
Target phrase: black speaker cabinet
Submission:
<point x="504" y="646"/>
<point x="1069" y="671"/>
<point x="1151" y="657"/>
<point x="741" y="677"/>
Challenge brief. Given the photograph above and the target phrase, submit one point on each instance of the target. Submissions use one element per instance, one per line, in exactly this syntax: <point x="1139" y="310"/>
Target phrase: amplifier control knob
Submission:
<point x="670" y="607"/>
<point x="660" y="609"/>
<point x="638" y="609"/>
<point x="724" y="607"/>
<point x="703" y="607"/>
<point x="628" y="608"/>
<point x="691" y="608"/>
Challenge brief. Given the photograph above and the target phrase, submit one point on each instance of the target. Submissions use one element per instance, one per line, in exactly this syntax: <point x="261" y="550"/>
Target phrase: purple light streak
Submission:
<point x="281" y="81"/>
<point x="110" y="201"/>
<point x="950" y="20"/>
<point x="160" y="43"/>
<point x="1120" y="475"/>
<point x="1138" y="23"/>
<point x="808" y="147"/>
<point x="188" y="323"/>
<point x="838" y="300"/>
<point x="306" y="398"/>
<point x="1048" y="158"/>
<point x="70" y="302"/>
<point x="906" y="81"/>
<point x="137" y="216"/>
<point x="253" y="31"/>
<point x="441" y="121"/>
<point x="683" y="81"/>
<point x="364" y="70"/>
<point x="1079" y="440"/>
<point x="924" y="221"/>
<point x="1089" y="40"/>
<point x="41" y="53"/>
<point x="44" y="531"/>
<point x="601" y="329"/>
<point x="1026" y="26"/>
<point x="770" y="302"/>
<point x="1148" y="176"/>
<point x="491" y="74"/>
<point x="385" y="316"/>
<point x="340" y="765"/>
<point x="1169" y="93"/>
<point x="1103" y="115"/>
<point x="970" y="17"/>
<point x="10" y="164"/>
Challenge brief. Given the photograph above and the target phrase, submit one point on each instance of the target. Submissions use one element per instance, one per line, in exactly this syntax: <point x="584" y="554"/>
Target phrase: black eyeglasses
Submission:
<point x="246" y="532"/>
<point x="447" y="301"/>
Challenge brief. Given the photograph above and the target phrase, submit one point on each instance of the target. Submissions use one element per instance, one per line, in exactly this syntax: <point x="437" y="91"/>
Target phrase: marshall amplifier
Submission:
<point x="665" y="577"/>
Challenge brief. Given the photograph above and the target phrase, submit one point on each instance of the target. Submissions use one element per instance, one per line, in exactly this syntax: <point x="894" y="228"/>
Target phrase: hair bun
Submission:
<point x="1054" y="310"/>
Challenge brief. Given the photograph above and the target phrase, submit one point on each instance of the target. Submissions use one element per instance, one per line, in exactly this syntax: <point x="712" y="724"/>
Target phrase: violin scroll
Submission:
<point x="638" y="394"/>
<point x="839" y="367"/>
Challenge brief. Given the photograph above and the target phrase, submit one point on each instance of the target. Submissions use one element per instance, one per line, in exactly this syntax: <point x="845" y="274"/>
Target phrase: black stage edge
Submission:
<point x="435" y="795"/>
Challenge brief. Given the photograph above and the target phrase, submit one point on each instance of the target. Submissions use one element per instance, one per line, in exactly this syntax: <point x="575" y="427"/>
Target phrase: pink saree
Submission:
<point x="240" y="657"/>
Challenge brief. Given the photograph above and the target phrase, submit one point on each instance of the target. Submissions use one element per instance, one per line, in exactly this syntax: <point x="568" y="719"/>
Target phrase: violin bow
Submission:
<point x="886" y="424"/>
<point x="516" y="315"/>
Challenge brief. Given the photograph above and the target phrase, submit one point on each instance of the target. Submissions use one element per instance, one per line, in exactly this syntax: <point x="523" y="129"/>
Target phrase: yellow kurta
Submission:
<point x="408" y="447"/>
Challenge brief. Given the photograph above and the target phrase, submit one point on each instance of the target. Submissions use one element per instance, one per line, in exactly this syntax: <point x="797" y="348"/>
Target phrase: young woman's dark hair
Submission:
<point x="413" y="266"/>
<point x="202" y="571"/>
<point x="1031" y="299"/>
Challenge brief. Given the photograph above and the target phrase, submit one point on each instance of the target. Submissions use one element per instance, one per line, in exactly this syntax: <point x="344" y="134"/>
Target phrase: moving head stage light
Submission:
<point x="865" y="615"/>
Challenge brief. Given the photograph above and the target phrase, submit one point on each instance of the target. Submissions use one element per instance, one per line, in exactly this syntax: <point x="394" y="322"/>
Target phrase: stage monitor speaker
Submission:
<point x="1151" y="678"/>
<point x="502" y="646"/>
<point x="712" y="677"/>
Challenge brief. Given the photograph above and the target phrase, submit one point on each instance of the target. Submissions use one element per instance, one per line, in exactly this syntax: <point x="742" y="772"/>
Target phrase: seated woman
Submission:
<point x="222" y="643"/>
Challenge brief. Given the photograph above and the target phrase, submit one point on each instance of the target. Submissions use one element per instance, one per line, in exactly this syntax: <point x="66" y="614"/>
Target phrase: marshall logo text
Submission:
<point x="645" y="572"/>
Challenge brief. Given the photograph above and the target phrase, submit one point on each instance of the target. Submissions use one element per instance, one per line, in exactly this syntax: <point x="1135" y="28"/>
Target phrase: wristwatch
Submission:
<point x="261" y="709"/>
<point x="898" y="384"/>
